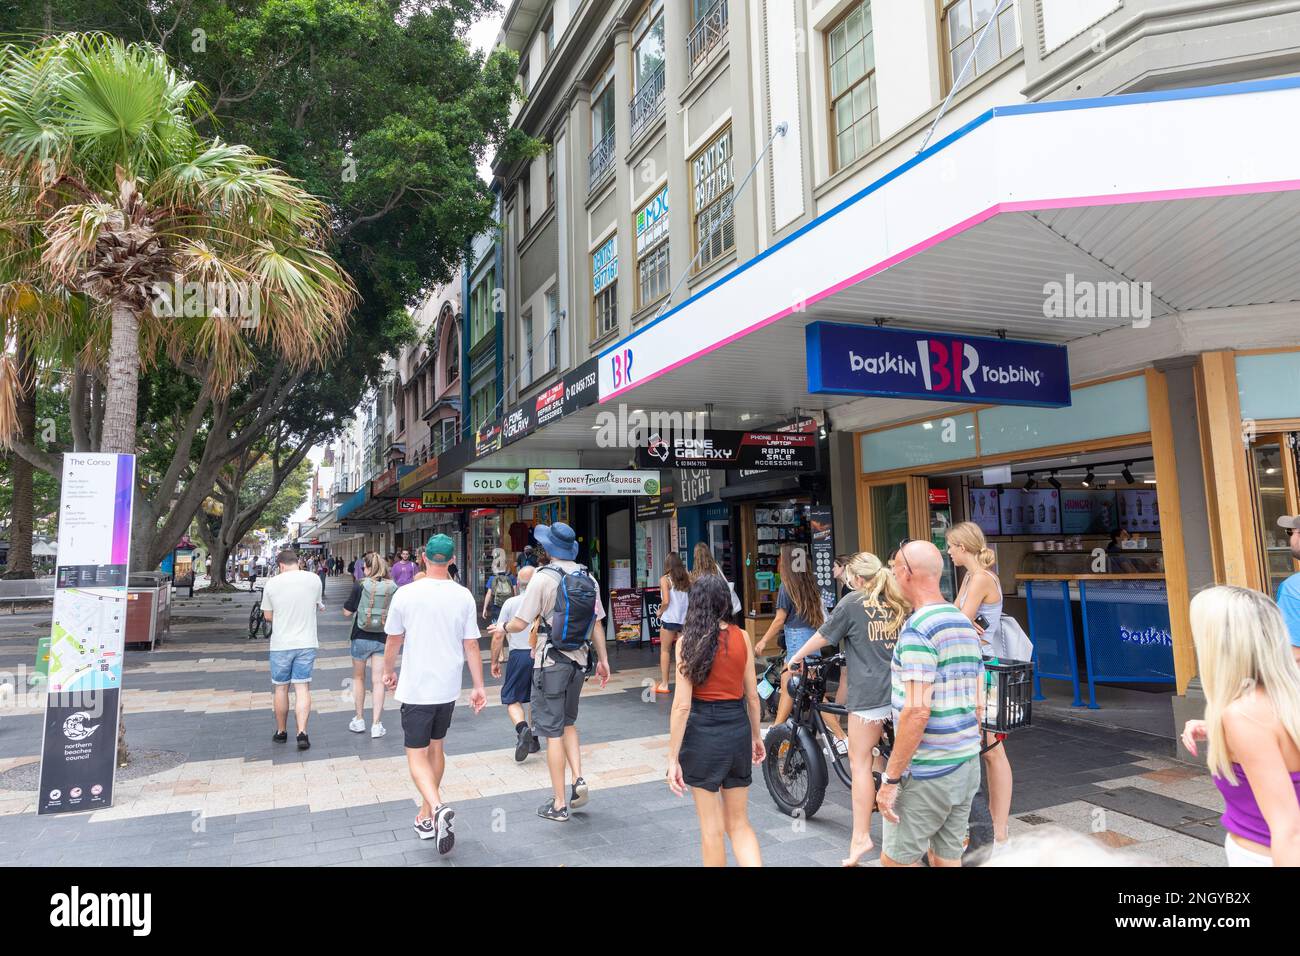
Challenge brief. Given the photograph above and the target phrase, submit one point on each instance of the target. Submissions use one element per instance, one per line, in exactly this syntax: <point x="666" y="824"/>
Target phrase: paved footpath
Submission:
<point x="200" y="706"/>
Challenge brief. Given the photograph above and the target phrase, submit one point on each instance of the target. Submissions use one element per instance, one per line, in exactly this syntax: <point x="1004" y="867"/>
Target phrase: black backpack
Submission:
<point x="574" y="615"/>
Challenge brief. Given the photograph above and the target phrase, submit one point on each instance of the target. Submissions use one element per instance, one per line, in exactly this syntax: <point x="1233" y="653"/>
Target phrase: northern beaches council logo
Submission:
<point x="75" y="728"/>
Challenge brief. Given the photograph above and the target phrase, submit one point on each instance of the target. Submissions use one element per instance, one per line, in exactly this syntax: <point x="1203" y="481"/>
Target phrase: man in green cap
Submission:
<point x="437" y="621"/>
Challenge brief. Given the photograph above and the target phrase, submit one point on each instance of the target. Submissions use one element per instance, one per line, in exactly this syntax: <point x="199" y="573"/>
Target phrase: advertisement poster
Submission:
<point x="87" y="635"/>
<point x="1138" y="511"/>
<point x="823" y="552"/>
<point x="620" y="574"/>
<point x="652" y="600"/>
<point x="1088" y="512"/>
<point x="626" y="613"/>
<point x="1030" y="512"/>
<point x="984" y="510"/>
<point x="545" y="482"/>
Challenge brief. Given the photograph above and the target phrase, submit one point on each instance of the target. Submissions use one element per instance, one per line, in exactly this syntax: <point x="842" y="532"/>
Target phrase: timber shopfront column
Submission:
<point x="1232" y="524"/>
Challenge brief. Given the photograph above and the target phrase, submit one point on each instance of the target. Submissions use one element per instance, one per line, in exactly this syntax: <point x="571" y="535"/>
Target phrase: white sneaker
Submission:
<point x="377" y="731"/>
<point x="357" y="726"/>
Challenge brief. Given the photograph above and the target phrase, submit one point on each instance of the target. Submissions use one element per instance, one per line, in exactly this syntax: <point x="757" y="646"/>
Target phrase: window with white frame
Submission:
<point x="851" y="67"/>
<point x="552" y="331"/>
<point x="604" y="288"/>
<point x="963" y="22"/>
<point x="650" y="226"/>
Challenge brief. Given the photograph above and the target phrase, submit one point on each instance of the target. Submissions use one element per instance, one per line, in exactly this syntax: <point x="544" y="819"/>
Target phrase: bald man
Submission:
<point x="938" y="676"/>
<point x="517" y="689"/>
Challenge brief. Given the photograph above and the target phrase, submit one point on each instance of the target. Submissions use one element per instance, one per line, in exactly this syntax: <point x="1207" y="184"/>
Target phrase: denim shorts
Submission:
<point x="363" y="648"/>
<point x="797" y="637"/>
<point x="293" y="666"/>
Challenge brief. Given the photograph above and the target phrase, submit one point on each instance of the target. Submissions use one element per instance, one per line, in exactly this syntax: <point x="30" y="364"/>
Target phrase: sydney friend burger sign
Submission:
<point x="940" y="366"/>
<point x="546" y="482"/>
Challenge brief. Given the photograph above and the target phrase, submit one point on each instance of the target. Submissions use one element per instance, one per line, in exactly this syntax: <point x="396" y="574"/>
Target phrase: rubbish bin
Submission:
<point x="148" y="608"/>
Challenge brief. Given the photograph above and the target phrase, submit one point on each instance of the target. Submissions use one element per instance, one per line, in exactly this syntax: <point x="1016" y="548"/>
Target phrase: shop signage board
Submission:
<point x="694" y="486"/>
<point x="652" y="222"/>
<point x="653" y="600"/>
<point x="712" y="448"/>
<point x="1030" y="512"/>
<point x="625" y="606"/>
<point x="544" y="482"/>
<point x="487" y="440"/>
<point x="984" y="510"/>
<point x="494" y="482"/>
<point x="1088" y="512"/>
<point x="574" y="391"/>
<point x="902" y="363"/>
<point x="426" y="471"/>
<point x="87" y="636"/>
<point x="604" y="265"/>
<point x="431" y="499"/>
<point x="660" y="505"/>
<point x="411" y="506"/>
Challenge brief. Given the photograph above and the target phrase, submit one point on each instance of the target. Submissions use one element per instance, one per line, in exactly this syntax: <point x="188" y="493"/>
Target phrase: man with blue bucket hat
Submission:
<point x="566" y="597"/>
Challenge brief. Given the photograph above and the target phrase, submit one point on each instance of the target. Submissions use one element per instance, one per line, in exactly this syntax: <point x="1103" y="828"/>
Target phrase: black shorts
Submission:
<point x="717" y="748"/>
<point x="556" y="690"/>
<point x="422" y="723"/>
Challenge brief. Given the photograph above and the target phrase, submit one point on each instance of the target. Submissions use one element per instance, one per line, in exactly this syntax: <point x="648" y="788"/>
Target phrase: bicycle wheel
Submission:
<point x="255" y="621"/>
<point x="266" y="628"/>
<point x="790" y="773"/>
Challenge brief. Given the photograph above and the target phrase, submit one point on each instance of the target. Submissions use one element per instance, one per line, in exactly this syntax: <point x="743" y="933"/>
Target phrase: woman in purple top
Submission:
<point x="1252" y="723"/>
<point x="404" y="570"/>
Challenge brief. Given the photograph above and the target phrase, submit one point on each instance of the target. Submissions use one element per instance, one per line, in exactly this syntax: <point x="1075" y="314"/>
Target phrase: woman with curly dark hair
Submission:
<point x="715" y="738"/>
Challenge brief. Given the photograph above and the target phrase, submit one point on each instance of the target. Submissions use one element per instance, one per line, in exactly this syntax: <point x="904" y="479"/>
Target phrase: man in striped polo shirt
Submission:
<point x="938" y="689"/>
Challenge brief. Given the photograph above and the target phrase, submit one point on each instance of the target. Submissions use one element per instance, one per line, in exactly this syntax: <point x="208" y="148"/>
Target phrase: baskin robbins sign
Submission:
<point x="900" y="363"/>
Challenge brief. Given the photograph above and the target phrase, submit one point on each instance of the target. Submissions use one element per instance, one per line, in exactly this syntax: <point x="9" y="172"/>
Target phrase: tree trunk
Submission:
<point x="119" y="420"/>
<point x="20" y="524"/>
<point x="123" y="382"/>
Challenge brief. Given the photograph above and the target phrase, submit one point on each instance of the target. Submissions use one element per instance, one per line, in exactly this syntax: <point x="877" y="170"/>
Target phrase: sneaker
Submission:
<point x="280" y="736"/>
<point x="442" y="818"/>
<point x="547" y="811"/>
<point x="524" y="744"/>
<point x="579" y="796"/>
<point x="377" y="731"/>
<point x="536" y="744"/>
<point x="303" y="742"/>
<point x="425" y="828"/>
<point x="358" y="725"/>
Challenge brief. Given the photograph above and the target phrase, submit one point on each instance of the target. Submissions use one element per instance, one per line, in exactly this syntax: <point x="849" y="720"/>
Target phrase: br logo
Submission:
<point x="622" y="361"/>
<point x="948" y="365"/>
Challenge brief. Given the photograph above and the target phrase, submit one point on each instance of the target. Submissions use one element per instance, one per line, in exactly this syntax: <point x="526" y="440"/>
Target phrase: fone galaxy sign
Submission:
<point x="945" y="367"/>
<point x="730" y="450"/>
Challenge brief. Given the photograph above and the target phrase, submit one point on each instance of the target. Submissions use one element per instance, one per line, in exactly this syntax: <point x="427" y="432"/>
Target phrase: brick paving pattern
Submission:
<point x="239" y="799"/>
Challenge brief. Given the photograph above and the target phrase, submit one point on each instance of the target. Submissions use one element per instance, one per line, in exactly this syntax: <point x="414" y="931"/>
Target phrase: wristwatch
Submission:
<point x="884" y="778"/>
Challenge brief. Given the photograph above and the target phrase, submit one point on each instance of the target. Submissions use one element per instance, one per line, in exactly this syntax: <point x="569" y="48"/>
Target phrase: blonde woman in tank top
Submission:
<point x="980" y="596"/>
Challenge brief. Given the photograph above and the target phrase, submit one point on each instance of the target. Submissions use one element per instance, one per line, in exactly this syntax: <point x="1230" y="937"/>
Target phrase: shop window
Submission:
<point x="606" y="310"/>
<point x="712" y="200"/>
<point x="604" y="285"/>
<point x="526" y="350"/>
<point x="963" y="20"/>
<point x="851" y="65"/>
<point x="552" y="344"/>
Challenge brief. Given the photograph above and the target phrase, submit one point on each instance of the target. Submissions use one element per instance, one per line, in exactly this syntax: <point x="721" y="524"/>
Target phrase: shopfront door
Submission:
<point x="1274" y="487"/>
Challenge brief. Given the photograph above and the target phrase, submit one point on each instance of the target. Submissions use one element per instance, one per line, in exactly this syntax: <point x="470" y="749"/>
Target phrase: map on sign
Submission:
<point x="87" y="639"/>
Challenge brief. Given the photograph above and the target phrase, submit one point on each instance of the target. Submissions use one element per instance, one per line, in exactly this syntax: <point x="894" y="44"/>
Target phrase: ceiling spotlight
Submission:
<point x="1089" y="479"/>
<point x="1054" y="482"/>
<point x="1128" y="475"/>
<point x="1032" y="483"/>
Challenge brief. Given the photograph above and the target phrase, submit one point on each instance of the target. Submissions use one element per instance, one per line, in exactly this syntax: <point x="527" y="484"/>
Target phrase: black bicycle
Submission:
<point x="258" y="625"/>
<point x="796" y="770"/>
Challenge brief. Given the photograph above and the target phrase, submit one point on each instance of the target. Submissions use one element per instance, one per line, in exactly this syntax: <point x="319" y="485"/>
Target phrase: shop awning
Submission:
<point x="1195" y="191"/>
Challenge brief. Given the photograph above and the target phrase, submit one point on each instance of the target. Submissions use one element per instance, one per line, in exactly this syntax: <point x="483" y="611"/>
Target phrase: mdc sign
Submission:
<point x="898" y="363"/>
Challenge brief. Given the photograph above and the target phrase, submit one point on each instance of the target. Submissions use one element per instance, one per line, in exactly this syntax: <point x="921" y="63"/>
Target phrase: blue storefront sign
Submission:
<point x="945" y="367"/>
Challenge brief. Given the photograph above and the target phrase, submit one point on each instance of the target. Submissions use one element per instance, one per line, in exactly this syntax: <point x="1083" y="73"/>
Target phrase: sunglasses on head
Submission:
<point x="901" y="545"/>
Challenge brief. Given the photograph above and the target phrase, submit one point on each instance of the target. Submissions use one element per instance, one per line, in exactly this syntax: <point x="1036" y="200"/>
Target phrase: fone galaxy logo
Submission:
<point x="622" y="363"/>
<point x="74" y="728"/>
<point x="659" y="448"/>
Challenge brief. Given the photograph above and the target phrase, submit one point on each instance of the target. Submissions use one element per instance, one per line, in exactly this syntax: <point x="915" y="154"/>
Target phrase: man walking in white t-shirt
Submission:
<point x="517" y="690"/>
<point x="437" y="621"/>
<point x="291" y="599"/>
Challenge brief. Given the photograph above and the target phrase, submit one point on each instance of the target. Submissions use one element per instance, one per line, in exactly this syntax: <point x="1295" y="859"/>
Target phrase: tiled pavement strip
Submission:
<point x="239" y="799"/>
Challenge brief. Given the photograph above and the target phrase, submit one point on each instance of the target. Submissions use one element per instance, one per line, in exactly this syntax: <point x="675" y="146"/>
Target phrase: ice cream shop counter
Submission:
<point x="1098" y="628"/>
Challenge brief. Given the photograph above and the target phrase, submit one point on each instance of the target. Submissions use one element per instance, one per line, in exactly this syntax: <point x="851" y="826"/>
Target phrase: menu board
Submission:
<point x="984" y="509"/>
<point x="1088" y="512"/>
<point x="1138" y="511"/>
<point x="626" y="611"/>
<point x="1030" y="512"/>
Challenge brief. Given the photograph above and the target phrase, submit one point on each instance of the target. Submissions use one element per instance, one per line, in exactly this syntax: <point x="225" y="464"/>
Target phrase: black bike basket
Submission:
<point x="1009" y="690"/>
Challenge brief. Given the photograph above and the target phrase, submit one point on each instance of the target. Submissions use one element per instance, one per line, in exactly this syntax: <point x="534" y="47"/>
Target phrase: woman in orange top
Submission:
<point x="715" y="739"/>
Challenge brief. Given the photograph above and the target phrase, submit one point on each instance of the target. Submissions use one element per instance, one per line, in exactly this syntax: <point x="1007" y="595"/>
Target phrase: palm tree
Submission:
<point x="132" y="210"/>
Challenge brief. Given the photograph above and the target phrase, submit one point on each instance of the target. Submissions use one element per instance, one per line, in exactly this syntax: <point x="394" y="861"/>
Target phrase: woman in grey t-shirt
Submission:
<point x="865" y="626"/>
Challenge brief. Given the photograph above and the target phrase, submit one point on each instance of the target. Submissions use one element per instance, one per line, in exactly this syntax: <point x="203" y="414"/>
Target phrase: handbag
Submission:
<point x="735" y="599"/>
<point x="1011" y="643"/>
